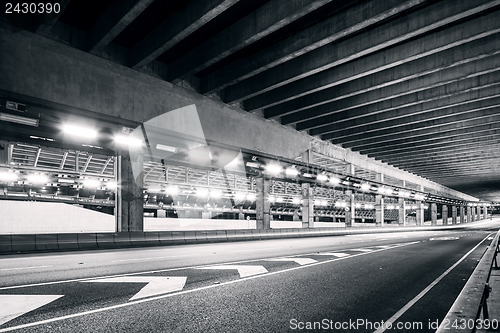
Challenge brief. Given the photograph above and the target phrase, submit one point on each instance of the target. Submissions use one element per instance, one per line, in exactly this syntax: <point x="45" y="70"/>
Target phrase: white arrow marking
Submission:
<point x="244" y="271"/>
<point x="335" y="254"/>
<point x="156" y="285"/>
<point x="300" y="261"/>
<point x="12" y="306"/>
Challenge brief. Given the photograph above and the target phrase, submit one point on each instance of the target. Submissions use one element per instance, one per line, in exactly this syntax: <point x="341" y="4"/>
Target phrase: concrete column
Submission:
<point x="433" y="213"/>
<point x="453" y="214"/>
<point x="379" y="210"/>
<point x="307" y="206"/>
<point x="420" y="213"/>
<point x="129" y="210"/>
<point x="462" y="214"/>
<point x="402" y="212"/>
<point x="262" y="204"/>
<point x="350" y="214"/>
<point x="444" y="214"/>
<point x="478" y="212"/>
<point x="469" y="214"/>
<point x="485" y="212"/>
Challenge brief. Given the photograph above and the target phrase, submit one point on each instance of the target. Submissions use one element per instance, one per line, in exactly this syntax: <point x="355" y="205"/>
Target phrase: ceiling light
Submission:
<point x="291" y="172"/>
<point x="202" y="192"/>
<point x="280" y="199"/>
<point x="322" y="177"/>
<point x="36" y="178"/>
<point x="251" y="197"/>
<point x="365" y="187"/>
<point x="111" y="185"/>
<point x="8" y="176"/>
<point x="83" y="132"/>
<point x="216" y="193"/>
<point x="91" y="183"/>
<point x="357" y="205"/>
<point x="274" y="169"/>
<point x="240" y="196"/>
<point x="172" y="190"/>
<point x="296" y="200"/>
<point x="18" y="119"/>
<point x="272" y="198"/>
<point x="369" y="206"/>
<point x="334" y="180"/>
<point x="127" y="140"/>
<point x="168" y="148"/>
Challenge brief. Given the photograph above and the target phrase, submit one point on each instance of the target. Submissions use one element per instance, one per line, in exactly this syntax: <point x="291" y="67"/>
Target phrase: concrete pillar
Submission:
<point x="307" y="206"/>
<point x="485" y="212"/>
<point x="350" y="213"/>
<point x="433" y="213"/>
<point x="444" y="214"/>
<point x="478" y="212"/>
<point x="402" y="212"/>
<point x="469" y="214"/>
<point x="379" y="210"/>
<point x="420" y="213"/>
<point x="129" y="210"/>
<point x="462" y="214"/>
<point x="262" y="204"/>
<point x="453" y="214"/>
<point x="379" y="203"/>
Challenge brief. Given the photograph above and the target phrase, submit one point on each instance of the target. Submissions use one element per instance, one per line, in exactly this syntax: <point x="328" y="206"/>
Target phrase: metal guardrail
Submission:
<point x="473" y="299"/>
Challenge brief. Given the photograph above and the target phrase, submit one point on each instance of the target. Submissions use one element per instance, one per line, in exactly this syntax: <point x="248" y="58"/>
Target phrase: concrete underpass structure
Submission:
<point x="311" y="117"/>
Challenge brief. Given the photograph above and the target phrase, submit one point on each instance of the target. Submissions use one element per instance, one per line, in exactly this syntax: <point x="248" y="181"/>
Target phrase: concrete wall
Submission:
<point x="22" y="217"/>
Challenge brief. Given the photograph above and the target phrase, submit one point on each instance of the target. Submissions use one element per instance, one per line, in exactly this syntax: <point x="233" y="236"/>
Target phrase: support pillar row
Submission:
<point x="307" y="206"/>
<point x="462" y="214"/>
<point x="453" y="214"/>
<point x="433" y="214"/>
<point x="262" y="204"/>
<point x="444" y="214"/>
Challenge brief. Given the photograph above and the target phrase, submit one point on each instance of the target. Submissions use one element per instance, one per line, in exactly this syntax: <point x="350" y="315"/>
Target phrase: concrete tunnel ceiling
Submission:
<point x="415" y="84"/>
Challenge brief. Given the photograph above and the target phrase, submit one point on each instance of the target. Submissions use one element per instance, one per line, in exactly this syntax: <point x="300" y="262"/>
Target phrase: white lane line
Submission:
<point x="20" y="268"/>
<point x="425" y="291"/>
<point x="119" y="306"/>
<point x="335" y="254"/>
<point x="300" y="261"/>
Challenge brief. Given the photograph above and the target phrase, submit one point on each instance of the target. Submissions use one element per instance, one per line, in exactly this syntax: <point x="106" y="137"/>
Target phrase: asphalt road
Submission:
<point x="336" y="284"/>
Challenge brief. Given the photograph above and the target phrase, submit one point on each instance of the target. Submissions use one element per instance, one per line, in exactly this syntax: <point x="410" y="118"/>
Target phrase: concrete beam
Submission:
<point x="267" y="19"/>
<point x="378" y="125"/>
<point x="423" y="70"/>
<point x="98" y="87"/>
<point x="180" y="25"/>
<point x="377" y="39"/>
<point x="411" y="140"/>
<point x="330" y="112"/>
<point x="113" y="21"/>
<point x="340" y="25"/>
<point x="448" y="157"/>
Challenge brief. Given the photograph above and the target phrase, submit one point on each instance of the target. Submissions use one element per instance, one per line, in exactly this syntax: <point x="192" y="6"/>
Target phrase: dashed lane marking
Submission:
<point x="335" y="254"/>
<point x="361" y="250"/>
<point x="300" y="261"/>
<point x="21" y="268"/>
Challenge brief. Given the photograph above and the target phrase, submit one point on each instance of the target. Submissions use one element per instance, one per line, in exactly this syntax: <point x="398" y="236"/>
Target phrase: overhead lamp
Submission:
<point x="291" y="172"/>
<point x="369" y="206"/>
<point x="357" y="205"/>
<point x="251" y="197"/>
<point x="334" y="180"/>
<point x="37" y="178"/>
<point x="172" y="190"/>
<point x="404" y="193"/>
<point x="127" y="140"/>
<point x="202" y="192"/>
<point x="168" y="148"/>
<point x="272" y="198"/>
<point x="390" y="207"/>
<point x="365" y="187"/>
<point x="91" y="183"/>
<point x="240" y="196"/>
<point x="253" y="165"/>
<point x="296" y="200"/>
<point x="8" y="176"/>
<point x="111" y="185"/>
<point x="280" y="199"/>
<point x="18" y="119"/>
<point x="216" y="193"/>
<point x="322" y="177"/>
<point x="80" y="131"/>
<point x="274" y="169"/>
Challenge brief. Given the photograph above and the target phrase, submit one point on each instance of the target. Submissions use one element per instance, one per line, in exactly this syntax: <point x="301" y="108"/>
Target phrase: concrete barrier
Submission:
<point x="105" y="241"/>
<point x="87" y="241"/>
<point x="46" y="242"/>
<point x="152" y="238"/>
<point x="5" y="243"/>
<point x="23" y="243"/>
<point x="53" y="242"/>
